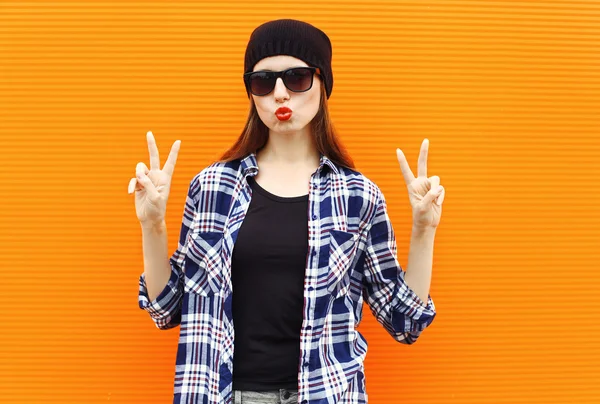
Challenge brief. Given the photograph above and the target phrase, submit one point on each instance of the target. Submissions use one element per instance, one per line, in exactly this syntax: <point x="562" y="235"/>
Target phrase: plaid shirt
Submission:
<point x="351" y="258"/>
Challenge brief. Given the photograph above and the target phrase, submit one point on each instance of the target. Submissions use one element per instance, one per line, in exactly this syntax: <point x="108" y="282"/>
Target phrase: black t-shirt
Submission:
<point x="268" y="264"/>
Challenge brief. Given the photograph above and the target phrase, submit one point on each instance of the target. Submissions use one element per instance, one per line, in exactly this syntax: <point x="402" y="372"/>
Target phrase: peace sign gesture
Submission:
<point x="152" y="186"/>
<point x="425" y="194"/>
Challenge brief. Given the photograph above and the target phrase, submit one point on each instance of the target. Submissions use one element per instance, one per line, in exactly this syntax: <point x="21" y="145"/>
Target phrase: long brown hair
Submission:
<point x="255" y="134"/>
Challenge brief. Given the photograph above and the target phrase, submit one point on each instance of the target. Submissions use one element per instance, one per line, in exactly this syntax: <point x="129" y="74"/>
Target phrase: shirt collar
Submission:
<point x="249" y="164"/>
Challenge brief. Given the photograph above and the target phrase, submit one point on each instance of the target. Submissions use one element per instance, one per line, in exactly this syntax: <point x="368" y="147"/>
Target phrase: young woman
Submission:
<point x="280" y="243"/>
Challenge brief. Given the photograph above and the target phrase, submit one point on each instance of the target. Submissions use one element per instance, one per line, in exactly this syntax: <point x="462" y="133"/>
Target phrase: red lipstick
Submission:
<point x="283" y="113"/>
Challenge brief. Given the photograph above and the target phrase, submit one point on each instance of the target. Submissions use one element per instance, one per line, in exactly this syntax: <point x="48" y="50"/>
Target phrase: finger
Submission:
<point x="431" y="195"/>
<point x="434" y="181"/>
<point x="422" y="167"/>
<point x="440" y="198"/>
<point x="153" y="150"/>
<point x="404" y="167"/>
<point x="148" y="186"/>
<point x="141" y="168"/>
<point x="131" y="186"/>
<point x="172" y="159"/>
<point x="134" y="185"/>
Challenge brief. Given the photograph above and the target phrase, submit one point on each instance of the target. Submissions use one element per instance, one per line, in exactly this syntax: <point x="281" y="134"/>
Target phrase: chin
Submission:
<point x="283" y="129"/>
<point x="286" y="126"/>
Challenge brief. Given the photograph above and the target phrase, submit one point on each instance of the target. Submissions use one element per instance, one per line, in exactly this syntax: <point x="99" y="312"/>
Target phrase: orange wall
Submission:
<point x="506" y="92"/>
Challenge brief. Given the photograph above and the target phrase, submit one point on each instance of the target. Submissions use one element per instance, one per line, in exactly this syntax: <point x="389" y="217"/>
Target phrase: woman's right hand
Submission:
<point x="152" y="186"/>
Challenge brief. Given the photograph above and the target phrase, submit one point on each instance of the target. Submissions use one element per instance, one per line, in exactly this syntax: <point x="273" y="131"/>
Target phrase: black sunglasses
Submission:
<point x="296" y="79"/>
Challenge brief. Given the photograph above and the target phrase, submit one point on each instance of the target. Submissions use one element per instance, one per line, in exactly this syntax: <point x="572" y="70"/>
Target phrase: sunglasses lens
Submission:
<point x="262" y="83"/>
<point x="299" y="79"/>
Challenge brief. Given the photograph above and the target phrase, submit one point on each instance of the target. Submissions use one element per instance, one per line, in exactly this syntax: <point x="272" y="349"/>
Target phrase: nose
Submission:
<point x="280" y="91"/>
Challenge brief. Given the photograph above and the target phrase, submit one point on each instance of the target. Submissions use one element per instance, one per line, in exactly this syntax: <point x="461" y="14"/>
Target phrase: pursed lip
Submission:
<point x="282" y="110"/>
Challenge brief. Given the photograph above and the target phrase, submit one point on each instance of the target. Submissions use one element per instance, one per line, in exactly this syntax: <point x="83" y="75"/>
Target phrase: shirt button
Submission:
<point x="310" y="288"/>
<point x="314" y="217"/>
<point x="308" y="327"/>
<point x="314" y="252"/>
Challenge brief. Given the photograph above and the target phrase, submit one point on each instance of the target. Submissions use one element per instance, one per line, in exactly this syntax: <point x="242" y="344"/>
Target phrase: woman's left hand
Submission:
<point x="425" y="194"/>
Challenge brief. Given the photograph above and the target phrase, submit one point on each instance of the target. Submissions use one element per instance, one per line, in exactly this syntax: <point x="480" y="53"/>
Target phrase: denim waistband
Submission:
<point x="279" y="396"/>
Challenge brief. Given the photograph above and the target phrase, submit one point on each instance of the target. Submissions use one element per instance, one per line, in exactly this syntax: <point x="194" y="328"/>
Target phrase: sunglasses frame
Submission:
<point x="282" y="75"/>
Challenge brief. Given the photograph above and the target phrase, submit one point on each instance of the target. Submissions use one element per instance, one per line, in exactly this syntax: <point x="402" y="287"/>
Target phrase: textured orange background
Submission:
<point x="508" y="93"/>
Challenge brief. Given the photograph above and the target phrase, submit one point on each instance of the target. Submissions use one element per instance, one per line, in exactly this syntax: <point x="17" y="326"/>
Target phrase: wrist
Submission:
<point x="423" y="231"/>
<point x="156" y="227"/>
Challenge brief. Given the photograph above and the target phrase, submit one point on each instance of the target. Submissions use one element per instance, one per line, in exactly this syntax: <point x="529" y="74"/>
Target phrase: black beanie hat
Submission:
<point x="293" y="38"/>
